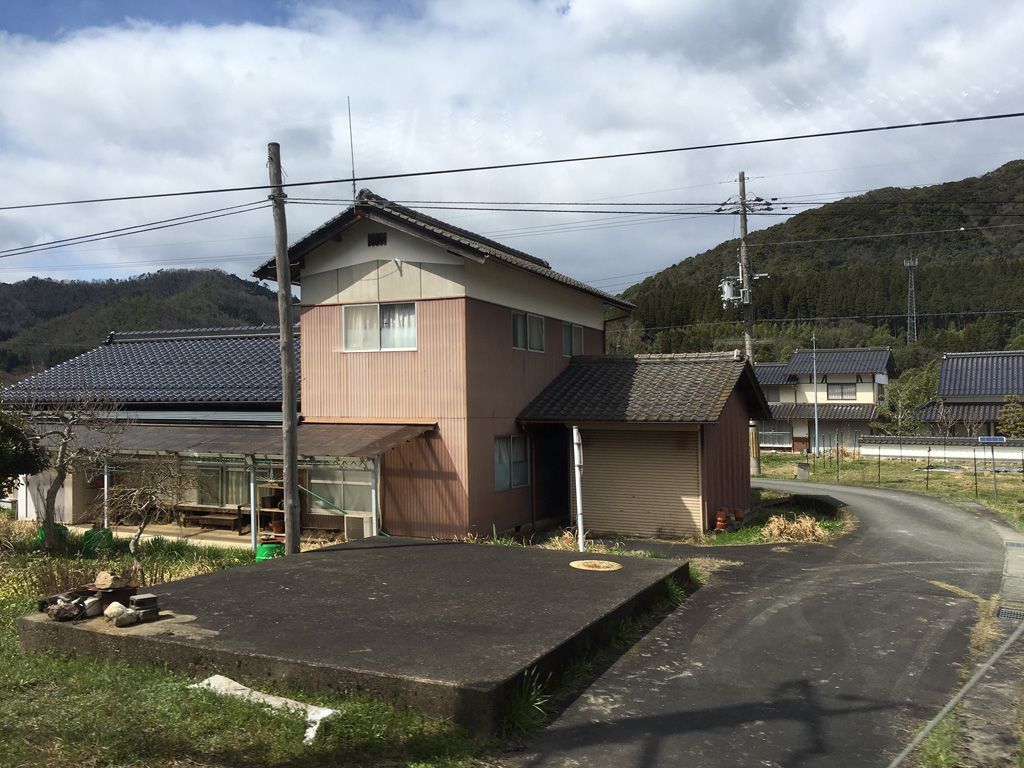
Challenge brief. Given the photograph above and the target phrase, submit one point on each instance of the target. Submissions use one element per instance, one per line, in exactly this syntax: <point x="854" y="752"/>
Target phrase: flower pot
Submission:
<point x="277" y="526"/>
<point x="722" y="519"/>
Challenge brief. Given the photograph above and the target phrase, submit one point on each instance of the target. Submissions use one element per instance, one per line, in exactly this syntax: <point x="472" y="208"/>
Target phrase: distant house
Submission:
<point x="422" y="346"/>
<point x="845" y="396"/>
<point x="665" y="437"/>
<point x="972" y="387"/>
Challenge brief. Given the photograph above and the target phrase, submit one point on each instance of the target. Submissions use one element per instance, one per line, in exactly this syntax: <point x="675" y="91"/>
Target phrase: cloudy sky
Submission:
<point x="121" y="98"/>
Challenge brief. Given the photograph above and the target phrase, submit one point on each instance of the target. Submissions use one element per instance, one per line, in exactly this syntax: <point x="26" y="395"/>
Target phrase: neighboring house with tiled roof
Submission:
<point x="843" y="400"/>
<point x="972" y="388"/>
<point x="211" y="396"/>
<point x="238" y="369"/>
<point x="664" y="437"/>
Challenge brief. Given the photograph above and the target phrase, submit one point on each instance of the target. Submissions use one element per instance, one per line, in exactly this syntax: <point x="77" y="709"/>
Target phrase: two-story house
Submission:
<point x="843" y="398"/>
<point x="405" y="318"/>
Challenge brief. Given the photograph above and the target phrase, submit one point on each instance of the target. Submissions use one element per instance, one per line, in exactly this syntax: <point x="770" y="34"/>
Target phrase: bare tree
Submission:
<point x="947" y="420"/>
<point x="148" y="490"/>
<point x="77" y="434"/>
<point x="972" y="424"/>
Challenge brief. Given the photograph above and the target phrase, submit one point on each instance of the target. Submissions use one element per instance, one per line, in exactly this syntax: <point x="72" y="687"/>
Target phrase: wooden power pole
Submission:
<point x="290" y="418"/>
<point x="745" y="278"/>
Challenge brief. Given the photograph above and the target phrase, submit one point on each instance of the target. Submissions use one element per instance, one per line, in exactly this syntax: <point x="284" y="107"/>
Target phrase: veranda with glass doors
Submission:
<point x="333" y="497"/>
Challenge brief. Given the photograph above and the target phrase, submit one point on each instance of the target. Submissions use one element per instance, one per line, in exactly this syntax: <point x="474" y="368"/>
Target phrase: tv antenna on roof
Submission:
<point x="351" y="147"/>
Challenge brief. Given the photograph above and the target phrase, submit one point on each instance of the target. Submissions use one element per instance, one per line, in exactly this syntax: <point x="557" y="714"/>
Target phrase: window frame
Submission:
<point x="521" y="327"/>
<point x="346" y="479"/>
<point x="573" y="347"/>
<point x="379" y="329"/>
<point x="514" y="480"/>
<point x="843" y="389"/>
<point x="775" y="433"/>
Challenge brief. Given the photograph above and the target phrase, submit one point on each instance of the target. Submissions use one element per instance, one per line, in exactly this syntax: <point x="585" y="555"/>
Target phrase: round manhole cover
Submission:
<point x="595" y="565"/>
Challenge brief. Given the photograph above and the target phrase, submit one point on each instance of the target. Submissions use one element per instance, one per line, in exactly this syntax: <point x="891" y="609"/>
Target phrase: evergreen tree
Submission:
<point x="19" y="452"/>
<point x="1011" y="417"/>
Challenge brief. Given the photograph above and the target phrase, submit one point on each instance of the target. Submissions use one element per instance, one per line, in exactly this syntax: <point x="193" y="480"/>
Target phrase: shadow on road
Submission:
<point x="795" y="702"/>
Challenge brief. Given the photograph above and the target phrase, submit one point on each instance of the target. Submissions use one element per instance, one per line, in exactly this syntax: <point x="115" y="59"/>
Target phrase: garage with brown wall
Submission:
<point x="664" y="438"/>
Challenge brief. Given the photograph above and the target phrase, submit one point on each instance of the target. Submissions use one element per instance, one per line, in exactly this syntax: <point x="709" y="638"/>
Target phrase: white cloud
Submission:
<point x="141" y="108"/>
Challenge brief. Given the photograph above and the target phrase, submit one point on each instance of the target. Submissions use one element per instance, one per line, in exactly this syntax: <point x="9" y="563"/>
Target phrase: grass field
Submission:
<point x="935" y="479"/>
<point x="57" y="711"/>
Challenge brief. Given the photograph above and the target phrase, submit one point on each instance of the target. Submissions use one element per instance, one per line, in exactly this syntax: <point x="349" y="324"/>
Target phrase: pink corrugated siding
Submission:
<point x="424" y="482"/>
<point x="501" y="382"/>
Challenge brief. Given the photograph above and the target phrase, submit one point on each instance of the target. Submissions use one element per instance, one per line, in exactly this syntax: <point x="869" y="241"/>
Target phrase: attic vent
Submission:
<point x="377" y="238"/>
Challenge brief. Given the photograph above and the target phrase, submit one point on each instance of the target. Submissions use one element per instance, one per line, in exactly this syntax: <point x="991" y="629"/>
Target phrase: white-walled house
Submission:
<point x="849" y="386"/>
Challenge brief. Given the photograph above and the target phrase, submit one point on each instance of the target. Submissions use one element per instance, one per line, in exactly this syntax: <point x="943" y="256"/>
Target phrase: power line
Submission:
<point x="827" y="318"/>
<point x="136" y="229"/>
<point x="536" y="163"/>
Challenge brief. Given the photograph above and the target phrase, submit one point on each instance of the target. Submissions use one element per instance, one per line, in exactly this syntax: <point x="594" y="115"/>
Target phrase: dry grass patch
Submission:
<point x="800" y="528"/>
<point x="702" y="568"/>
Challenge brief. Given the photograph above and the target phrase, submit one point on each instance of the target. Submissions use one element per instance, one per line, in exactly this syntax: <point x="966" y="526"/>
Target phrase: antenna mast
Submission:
<point x="911" y="302"/>
<point x="351" y="147"/>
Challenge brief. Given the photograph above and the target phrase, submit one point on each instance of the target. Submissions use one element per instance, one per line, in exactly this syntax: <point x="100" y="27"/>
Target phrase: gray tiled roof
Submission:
<point x="376" y="208"/>
<point x="771" y="374"/>
<point x="208" y="365"/>
<point x="959" y="412"/>
<point x="853" y="360"/>
<point x="992" y="374"/>
<point x="835" y="412"/>
<point x="645" y="388"/>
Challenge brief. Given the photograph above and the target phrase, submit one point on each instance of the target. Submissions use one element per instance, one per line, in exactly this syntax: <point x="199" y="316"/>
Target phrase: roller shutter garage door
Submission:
<point x="641" y="482"/>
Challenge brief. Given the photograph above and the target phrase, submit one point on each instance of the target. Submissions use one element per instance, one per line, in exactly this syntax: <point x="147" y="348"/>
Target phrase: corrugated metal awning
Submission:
<point x="315" y="441"/>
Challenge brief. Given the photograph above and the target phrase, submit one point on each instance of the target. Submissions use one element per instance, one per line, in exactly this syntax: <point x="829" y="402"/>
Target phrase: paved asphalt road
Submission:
<point x="804" y="656"/>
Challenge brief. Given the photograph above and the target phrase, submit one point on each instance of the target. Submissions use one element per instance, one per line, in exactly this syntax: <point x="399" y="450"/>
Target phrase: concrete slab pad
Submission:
<point x="445" y="628"/>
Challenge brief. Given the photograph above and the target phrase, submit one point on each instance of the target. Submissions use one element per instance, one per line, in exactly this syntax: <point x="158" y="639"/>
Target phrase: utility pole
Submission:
<point x="911" y="302"/>
<point x="814" y="380"/>
<point x="289" y="420"/>
<point x="745" y="278"/>
<point x="748" y="300"/>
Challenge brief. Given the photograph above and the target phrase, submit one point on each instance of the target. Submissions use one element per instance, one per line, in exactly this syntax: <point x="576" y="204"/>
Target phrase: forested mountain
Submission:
<point x="838" y="271"/>
<point x="44" y="322"/>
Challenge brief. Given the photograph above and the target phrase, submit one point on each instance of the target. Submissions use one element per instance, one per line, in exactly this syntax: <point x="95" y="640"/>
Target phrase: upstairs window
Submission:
<point x="572" y="340"/>
<point x="527" y="332"/>
<point x="842" y="391"/>
<point x="511" y="462"/>
<point x="380" y="327"/>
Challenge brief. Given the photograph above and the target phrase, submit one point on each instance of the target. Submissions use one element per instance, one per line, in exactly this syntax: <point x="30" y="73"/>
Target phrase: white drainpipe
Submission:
<point x="254" y="518"/>
<point x="577" y="446"/>
<point x="106" y="495"/>
<point x="374" y="496"/>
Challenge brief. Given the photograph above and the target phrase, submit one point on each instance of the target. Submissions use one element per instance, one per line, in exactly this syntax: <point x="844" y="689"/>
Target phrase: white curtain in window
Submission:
<point x="566" y="340"/>
<point x="398" y="326"/>
<point x="502" y="464"/>
<point x="518" y="330"/>
<point x="236" y="486"/>
<point x="536" y="331"/>
<point x="577" y="340"/>
<point x="520" y="462"/>
<point x="361" y="328"/>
